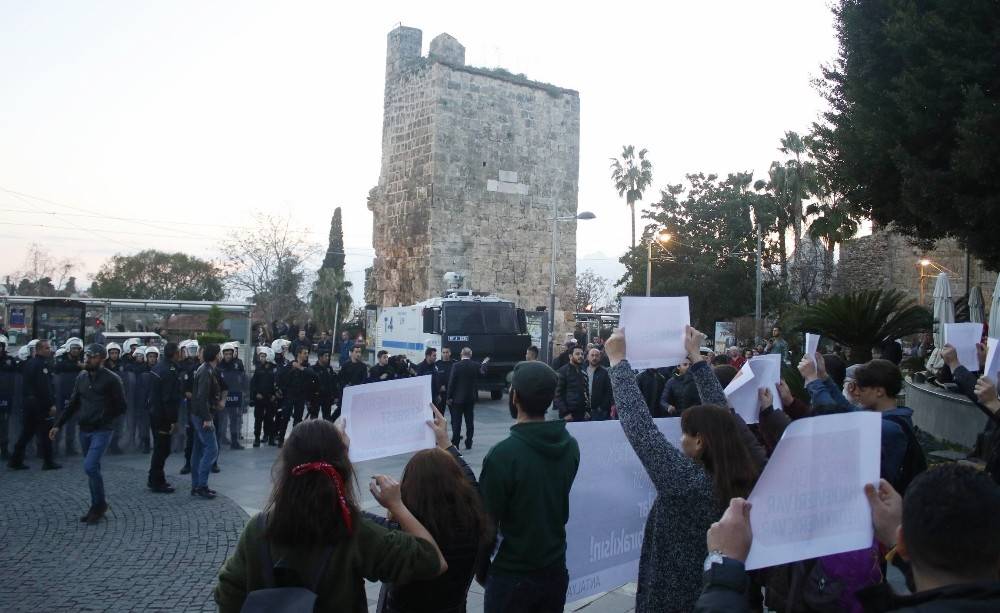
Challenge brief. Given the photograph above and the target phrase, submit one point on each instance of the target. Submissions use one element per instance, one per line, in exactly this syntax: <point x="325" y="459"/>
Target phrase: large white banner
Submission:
<point x="388" y="418"/>
<point x="608" y="506"/>
<point x="809" y="501"/>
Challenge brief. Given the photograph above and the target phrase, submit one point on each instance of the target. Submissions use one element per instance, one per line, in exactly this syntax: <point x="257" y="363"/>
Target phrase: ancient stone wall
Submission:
<point x="889" y="260"/>
<point x="475" y="164"/>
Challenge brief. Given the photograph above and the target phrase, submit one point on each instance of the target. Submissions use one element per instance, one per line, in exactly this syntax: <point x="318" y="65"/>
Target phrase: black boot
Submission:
<point x="186" y="469"/>
<point x="215" y="468"/>
<point x="256" y="442"/>
<point x="4" y="453"/>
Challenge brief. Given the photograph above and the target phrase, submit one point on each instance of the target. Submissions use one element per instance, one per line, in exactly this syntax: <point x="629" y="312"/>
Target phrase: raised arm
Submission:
<point x="666" y="466"/>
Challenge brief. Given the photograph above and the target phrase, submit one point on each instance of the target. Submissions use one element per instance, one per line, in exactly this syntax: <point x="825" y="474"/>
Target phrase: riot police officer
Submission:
<point x="327" y="388"/>
<point x="9" y="367"/>
<point x="233" y="376"/>
<point x="189" y="364"/>
<point x="264" y="393"/>
<point x="115" y="364"/>
<point x="66" y="367"/>
<point x="165" y="395"/>
<point x="39" y="407"/>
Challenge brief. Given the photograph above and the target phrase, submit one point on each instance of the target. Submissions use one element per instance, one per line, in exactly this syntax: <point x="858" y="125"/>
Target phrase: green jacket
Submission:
<point x="525" y="484"/>
<point x="373" y="553"/>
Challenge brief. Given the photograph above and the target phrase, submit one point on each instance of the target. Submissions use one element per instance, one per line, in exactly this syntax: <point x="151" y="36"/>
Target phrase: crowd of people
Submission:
<point x="938" y="526"/>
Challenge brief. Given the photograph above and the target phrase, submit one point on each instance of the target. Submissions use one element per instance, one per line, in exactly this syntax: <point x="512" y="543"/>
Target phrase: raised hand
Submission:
<point x="731" y="535"/>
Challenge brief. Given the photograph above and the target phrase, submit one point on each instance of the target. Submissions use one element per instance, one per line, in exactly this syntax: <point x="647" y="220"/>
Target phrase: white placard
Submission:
<point x="654" y="330"/>
<point x="963" y="337"/>
<point x="608" y="505"/>
<point x="742" y="395"/>
<point x="812" y="344"/>
<point x="388" y="417"/>
<point x="767" y="371"/>
<point x="992" y="365"/>
<point x="810" y="500"/>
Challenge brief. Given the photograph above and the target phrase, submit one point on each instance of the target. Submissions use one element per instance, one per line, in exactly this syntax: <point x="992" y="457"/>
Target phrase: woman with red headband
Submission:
<point x="316" y="536"/>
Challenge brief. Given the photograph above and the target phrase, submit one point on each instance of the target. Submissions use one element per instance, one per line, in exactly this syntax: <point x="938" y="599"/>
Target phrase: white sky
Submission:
<point x="191" y="114"/>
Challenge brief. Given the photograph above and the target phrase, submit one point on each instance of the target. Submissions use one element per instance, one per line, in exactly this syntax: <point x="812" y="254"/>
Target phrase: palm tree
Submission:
<point x="777" y="186"/>
<point x="631" y="179"/>
<point x="863" y="320"/>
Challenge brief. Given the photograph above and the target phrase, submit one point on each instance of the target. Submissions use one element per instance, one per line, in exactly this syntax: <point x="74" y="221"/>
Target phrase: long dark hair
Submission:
<point x="439" y="495"/>
<point x="304" y="510"/>
<point x="724" y="454"/>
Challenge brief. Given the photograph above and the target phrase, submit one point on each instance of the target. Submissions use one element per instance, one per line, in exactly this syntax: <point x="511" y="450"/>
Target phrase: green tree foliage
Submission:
<point x="214" y="318"/>
<point x="711" y="255"/>
<point x="632" y="176"/>
<point x="335" y="250"/>
<point x="914" y="125"/>
<point x="863" y="320"/>
<point x="330" y="299"/>
<point x="159" y="276"/>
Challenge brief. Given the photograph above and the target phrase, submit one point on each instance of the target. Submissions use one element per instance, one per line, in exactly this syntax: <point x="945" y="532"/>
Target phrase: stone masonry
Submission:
<point x="885" y="259"/>
<point x="474" y="164"/>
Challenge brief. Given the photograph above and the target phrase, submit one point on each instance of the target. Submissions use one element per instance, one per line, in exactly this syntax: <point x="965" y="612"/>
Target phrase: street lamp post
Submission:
<point x="552" y="268"/>
<point x="661" y="237"/>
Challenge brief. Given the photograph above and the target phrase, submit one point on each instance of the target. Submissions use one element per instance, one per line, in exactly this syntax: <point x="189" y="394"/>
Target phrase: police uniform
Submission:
<point x="9" y="368"/>
<point x="38" y="400"/>
<point x="327" y="390"/>
<point x="234" y="407"/>
<point x="264" y="392"/>
<point x="117" y="367"/>
<point x="67" y="365"/>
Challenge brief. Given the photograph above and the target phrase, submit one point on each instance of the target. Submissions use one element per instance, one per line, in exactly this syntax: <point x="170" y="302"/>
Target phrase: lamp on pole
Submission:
<point x="661" y="237"/>
<point x="552" y="268"/>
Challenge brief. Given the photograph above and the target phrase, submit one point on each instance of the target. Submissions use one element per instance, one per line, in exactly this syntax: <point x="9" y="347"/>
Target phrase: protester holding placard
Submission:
<point x="946" y="529"/>
<point x="525" y="483"/>
<point x="441" y="490"/>
<point x="693" y="483"/>
<point x="313" y="525"/>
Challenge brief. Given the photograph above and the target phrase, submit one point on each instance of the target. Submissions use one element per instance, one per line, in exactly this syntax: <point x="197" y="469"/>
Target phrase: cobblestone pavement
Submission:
<point x="161" y="552"/>
<point x="154" y="552"/>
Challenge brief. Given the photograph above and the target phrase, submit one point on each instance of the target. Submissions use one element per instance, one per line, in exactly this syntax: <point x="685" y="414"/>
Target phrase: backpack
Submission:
<point x="914" y="462"/>
<point x="823" y="585"/>
<point x="272" y="599"/>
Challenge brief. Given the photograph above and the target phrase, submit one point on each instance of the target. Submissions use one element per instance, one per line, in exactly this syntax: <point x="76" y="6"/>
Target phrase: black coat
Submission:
<point x="165" y="395"/>
<point x="99" y="396"/>
<point x="39" y="395"/>
<point x="601" y="397"/>
<point x="264" y="382"/>
<point x="572" y="397"/>
<point x="463" y="382"/>
<point x="328" y="384"/>
<point x="353" y="373"/>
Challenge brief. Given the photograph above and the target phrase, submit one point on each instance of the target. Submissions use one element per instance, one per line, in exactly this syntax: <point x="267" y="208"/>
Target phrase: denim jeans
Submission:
<point x="95" y="443"/>
<point x="204" y="452"/>
<point x="543" y="591"/>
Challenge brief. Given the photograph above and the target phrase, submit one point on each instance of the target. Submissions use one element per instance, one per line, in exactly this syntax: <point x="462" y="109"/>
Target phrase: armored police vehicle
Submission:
<point x="492" y="327"/>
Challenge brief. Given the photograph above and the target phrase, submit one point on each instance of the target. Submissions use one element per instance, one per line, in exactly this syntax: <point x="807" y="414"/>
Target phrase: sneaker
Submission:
<point x="186" y="469"/>
<point x="51" y="466"/>
<point x="215" y="468"/>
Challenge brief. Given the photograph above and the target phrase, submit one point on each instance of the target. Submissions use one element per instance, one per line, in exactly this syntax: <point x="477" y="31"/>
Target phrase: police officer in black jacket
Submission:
<point x="99" y="397"/>
<point x="165" y="395"/>
<point x="115" y="364"/>
<point x="69" y="363"/>
<point x="301" y="385"/>
<point x="327" y="388"/>
<point x="463" y="390"/>
<point x="9" y="366"/>
<point x="354" y="371"/>
<point x="190" y="362"/>
<point x="264" y="393"/>
<point x="39" y="407"/>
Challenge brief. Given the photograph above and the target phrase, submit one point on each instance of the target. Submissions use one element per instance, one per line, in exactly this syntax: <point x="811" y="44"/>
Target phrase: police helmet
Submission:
<point x="228" y="347"/>
<point x="73" y="341"/>
<point x="270" y="354"/>
<point x="31" y="344"/>
<point x="139" y="352"/>
<point x="3" y="341"/>
<point x="24" y="353"/>
<point x="129" y="346"/>
<point x="152" y="349"/>
<point x="190" y="347"/>
<point x="113" y="347"/>
<point x="95" y="349"/>
<point x="61" y="351"/>
<point x="279" y="345"/>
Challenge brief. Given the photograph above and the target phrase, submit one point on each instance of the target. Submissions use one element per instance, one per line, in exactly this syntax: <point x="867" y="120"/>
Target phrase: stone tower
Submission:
<point x="474" y="164"/>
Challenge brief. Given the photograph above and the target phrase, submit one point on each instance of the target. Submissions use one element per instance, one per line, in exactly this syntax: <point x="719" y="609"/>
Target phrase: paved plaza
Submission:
<point x="161" y="552"/>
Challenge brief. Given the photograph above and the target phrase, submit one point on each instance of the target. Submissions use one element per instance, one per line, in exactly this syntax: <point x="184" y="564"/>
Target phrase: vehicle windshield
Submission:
<point x="480" y="318"/>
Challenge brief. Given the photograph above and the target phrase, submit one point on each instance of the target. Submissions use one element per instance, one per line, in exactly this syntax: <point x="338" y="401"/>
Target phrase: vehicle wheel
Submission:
<point x="496" y="394"/>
